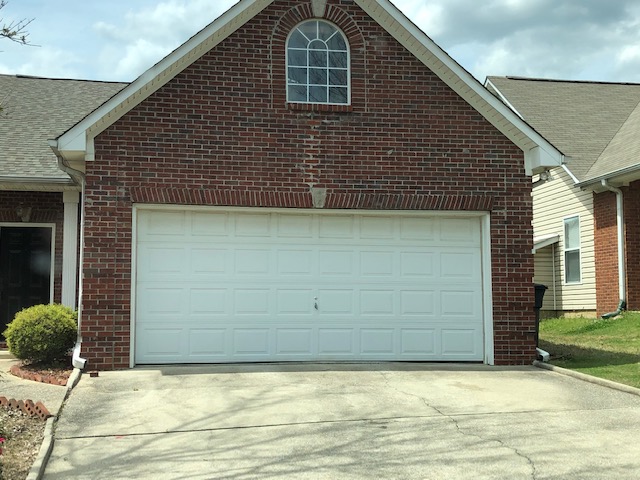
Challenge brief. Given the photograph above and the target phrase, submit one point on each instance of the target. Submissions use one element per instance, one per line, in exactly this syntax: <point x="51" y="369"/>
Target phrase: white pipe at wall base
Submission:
<point x="622" y="278"/>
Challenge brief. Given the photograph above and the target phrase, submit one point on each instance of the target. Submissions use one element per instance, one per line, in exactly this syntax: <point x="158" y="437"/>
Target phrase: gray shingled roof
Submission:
<point x="592" y="123"/>
<point x="35" y="110"/>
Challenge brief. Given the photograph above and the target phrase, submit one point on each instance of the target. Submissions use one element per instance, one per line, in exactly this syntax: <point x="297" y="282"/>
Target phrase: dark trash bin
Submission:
<point x="540" y="289"/>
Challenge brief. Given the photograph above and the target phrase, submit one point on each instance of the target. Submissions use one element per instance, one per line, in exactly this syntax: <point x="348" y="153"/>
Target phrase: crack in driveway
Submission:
<point x="459" y="429"/>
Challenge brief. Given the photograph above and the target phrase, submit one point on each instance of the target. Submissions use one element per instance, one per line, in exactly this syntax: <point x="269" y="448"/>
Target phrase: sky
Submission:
<point x="117" y="40"/>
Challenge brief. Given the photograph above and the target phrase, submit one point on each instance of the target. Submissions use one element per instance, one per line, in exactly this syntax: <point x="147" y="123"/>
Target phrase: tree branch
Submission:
<point x="15" y="31"/>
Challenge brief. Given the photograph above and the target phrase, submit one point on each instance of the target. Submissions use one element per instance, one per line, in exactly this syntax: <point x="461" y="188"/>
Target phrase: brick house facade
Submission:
<point x="221" y="133"/>
<point x="606" y="251"/>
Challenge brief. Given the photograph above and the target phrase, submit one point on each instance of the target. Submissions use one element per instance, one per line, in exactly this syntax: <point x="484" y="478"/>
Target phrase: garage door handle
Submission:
<point x="315" y="303"/>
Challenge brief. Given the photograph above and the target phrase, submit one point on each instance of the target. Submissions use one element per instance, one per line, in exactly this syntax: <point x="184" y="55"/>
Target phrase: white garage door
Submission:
<point x="241" y="286"/>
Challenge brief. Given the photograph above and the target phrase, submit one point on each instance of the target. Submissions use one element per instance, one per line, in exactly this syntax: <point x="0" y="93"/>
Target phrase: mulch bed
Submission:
<point x="57" y="373"/>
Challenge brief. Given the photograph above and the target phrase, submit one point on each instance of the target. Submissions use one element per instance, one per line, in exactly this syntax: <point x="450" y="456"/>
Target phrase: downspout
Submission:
<point x="76" y="360"/>
<point x="622" y="305"/>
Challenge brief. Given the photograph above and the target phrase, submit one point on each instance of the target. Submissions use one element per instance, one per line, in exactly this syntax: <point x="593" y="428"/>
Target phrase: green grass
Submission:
<point x="603" y="348"/>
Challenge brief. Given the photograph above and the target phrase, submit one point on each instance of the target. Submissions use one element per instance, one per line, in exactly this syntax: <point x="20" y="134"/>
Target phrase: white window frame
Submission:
<point x="566" y="250"/>
<point x="307" y="85"/>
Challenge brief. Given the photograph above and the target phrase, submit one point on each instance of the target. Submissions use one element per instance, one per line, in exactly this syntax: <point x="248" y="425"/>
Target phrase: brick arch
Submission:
<point x="354" y="36"/>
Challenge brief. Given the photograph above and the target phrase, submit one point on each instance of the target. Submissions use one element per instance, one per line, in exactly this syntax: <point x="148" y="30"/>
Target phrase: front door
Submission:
<point x="25" y="270"/>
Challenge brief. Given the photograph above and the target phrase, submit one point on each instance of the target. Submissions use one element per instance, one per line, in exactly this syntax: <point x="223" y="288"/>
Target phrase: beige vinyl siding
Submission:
<point x="544" y="266"/>
<point x="553" y="201"/>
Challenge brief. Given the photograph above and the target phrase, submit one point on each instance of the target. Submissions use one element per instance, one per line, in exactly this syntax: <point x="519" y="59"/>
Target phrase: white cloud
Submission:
<point x="143" y="37"/>
<point x="55" y="62"/>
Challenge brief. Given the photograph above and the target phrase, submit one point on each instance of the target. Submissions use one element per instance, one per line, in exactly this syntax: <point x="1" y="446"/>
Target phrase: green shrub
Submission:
<point x="42" y="333"/>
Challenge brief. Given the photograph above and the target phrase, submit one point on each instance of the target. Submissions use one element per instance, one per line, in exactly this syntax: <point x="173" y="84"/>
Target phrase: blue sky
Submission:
<point x="118" y="39"/>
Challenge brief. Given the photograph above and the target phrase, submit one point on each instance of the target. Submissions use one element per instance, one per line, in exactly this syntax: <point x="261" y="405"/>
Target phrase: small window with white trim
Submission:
<point x="318" y="64"/>
<point x="572" y="250"/>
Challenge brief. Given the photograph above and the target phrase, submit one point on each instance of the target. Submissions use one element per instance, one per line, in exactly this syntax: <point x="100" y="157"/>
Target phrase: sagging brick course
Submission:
<point x="221" y="133"/>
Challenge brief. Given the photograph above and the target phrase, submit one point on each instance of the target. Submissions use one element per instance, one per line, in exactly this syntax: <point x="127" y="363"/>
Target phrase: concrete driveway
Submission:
<point x="345" y="422"/>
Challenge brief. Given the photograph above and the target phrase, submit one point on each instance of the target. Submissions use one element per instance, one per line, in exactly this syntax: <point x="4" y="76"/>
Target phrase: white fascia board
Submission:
<point x="463" y="83"/>
<point x="75" y="140"/>
<point x="545" y="241"/>
<point x="505" y="100"/>
<point x="573" y="177"/>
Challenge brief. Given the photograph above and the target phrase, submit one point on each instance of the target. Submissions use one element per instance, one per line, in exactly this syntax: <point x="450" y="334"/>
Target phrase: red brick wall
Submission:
<point x="221" y="133"/>
<point x="47" y="207"/>
<point x="632" y="243"/>
<point x="606" y="248"/>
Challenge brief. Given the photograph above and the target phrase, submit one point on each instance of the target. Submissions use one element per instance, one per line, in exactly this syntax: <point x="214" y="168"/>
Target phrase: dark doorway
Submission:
<point x="25" y="270"/>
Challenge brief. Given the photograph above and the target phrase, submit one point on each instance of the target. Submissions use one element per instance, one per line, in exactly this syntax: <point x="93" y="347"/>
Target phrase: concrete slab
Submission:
<point x="345" y="421"/>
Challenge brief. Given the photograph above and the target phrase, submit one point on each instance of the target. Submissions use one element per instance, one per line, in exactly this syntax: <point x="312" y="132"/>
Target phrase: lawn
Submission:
<point x="603" y="348"/>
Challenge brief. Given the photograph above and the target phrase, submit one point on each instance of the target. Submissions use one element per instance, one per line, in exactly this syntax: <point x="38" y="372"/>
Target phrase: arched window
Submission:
<point x="317" y="64"/>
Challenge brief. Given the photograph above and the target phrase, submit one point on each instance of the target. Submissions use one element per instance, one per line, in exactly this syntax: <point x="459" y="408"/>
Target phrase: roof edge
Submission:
<point x="151" y="80"/>
<point x="551" y="153"/>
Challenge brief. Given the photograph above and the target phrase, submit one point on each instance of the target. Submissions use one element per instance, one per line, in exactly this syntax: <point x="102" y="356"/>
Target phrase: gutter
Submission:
<point x="79" y="177"/>
<point x="622" y="305"/>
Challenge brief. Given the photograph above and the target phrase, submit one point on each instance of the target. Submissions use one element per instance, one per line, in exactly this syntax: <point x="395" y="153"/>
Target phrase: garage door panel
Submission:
<point x="209" y="301"/>
<point x="295" y="342"/>
<point x="336" y="262"/>
<point x="377" y="228"/>
<point x="336" y="302"/>
<point x="459" y="231"/>
<point x="209" y="224"/>
<point x="377" y="302"/>
<point x="252" y="301"/>
<point x="416" y="228"/>
<point x="460" y="266"/>
<point x="460" y="342"/>
<point x="210" y="261"/>
<point x="460" y="303"/>
<point x="295" y="226"/>
<point x="161" y="225"/>
<point x="417" y="265"/>
<point x="336" y="227"/>
<point x="281" y="286"/>
<point x="377" y="264"/>
<point x="295" y="302"/>
<point x="251" y="342"/>
<point x="162" y="343"/>
<point x="208" y="343"/>
<point x="417" y="303"/>
<point x="250" y="225"/>
<point x="162" y="302"/>
<point x="161" y="260"/>
<point x="379" y="341"/>
<point x="252" y="262"/>
<point x="418" y="342"/>
<point x="336" y="341"/>
<point x="295" y="262"/>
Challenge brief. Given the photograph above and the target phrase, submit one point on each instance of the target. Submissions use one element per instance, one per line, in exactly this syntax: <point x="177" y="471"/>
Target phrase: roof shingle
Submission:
<point x="35" y="110"/>
<point x="582" y="119"/>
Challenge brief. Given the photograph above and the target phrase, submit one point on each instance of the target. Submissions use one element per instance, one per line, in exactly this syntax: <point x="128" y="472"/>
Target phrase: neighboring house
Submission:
<point x="306" y="180"/>
<point x="577" y="255"/>
<point x="38" y="201"/>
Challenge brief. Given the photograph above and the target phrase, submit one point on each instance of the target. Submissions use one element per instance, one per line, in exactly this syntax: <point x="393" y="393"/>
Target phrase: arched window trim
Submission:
<point x="334" y="84"/>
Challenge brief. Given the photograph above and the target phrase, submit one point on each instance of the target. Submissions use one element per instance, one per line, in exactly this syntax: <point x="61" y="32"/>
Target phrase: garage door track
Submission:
<point x="360" y="421"/>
